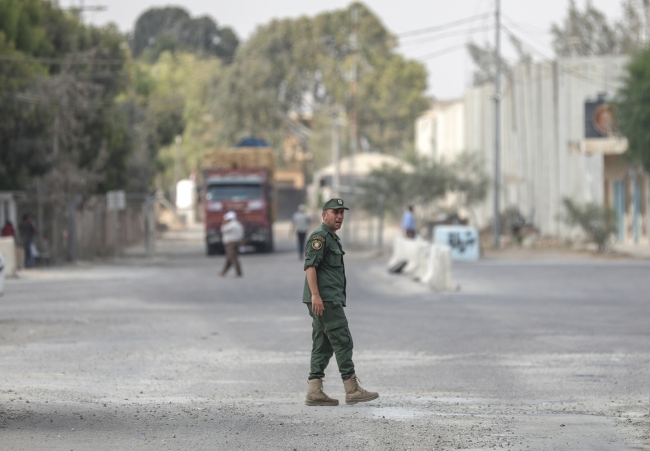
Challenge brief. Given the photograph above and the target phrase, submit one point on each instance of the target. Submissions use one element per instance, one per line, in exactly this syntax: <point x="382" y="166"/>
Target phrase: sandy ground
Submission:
<point x="531" y="354"/>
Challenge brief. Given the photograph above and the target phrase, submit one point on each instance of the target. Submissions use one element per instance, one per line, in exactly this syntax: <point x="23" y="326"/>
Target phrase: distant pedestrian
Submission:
<point x="408" y="222"/>
<point x="232" y="236"/>
<point x="8" y="229"/>
<point x="27" y="234"/>
<point x="300" y="226"/>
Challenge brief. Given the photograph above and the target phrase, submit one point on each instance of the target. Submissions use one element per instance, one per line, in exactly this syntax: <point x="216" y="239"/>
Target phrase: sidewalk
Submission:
<point x="641" y="251"/>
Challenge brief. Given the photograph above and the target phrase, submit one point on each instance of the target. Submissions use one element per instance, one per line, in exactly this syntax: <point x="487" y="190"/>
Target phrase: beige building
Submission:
<point x="440" y="132"/>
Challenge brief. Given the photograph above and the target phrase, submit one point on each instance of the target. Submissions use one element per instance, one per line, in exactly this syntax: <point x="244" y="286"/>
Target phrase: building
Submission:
<point x="440" y="132"/>
<point x="547" y="153"/>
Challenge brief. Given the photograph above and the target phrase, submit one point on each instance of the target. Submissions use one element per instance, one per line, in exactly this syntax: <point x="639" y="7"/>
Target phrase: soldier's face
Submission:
<point x="333" y="218"/>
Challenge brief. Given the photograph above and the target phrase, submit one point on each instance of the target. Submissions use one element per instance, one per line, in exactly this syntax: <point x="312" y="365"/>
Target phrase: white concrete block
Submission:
<point x="8" y="251"/>
<point x="2" y="275"/>
<point x="399" y="252"/>
<point x="438" y="273"/>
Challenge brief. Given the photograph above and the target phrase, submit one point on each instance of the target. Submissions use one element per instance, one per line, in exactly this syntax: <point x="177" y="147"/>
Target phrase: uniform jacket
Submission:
<point x="324" y="252"/>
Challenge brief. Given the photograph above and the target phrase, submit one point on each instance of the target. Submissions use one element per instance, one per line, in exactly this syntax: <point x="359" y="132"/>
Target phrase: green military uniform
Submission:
<point x="330" y="332"/>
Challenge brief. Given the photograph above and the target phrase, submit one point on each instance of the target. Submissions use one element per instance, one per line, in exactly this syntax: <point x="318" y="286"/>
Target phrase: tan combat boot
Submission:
<point x="316" y="396"/>
<point x="354" y="393"/>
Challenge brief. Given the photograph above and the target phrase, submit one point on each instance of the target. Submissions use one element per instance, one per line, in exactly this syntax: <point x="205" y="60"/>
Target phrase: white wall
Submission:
<point x="440" y="132"/>
<point x="542" y="126"/>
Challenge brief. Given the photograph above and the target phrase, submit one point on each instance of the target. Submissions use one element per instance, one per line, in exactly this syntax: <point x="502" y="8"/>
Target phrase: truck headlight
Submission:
<point x="215" y="206"/>
<point x="255" y="205"/>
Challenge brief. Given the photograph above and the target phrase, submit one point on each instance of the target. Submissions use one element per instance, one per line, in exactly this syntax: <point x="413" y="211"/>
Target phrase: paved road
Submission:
<point x="165" y="355"/>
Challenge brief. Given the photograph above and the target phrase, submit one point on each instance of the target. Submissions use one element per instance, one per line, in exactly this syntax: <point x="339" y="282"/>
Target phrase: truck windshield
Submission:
<point x="234" y="192"/>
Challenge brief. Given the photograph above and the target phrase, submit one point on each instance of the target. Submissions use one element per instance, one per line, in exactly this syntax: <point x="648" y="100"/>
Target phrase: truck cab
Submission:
<point x="247" y="192"/>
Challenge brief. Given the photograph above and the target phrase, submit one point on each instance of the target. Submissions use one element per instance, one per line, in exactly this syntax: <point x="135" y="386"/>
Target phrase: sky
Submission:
<point x="449" y="67"/>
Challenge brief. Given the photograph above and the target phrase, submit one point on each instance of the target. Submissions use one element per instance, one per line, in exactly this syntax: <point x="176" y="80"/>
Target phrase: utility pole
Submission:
<point x="336" y="153"/>
<point x="177" y="164"/>
<point x="497" y="125"/>
<point x="354" y="136"/>
<point x="646" y="15"/>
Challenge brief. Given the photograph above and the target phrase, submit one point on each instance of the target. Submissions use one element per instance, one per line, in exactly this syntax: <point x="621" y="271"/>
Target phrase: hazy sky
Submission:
<point x="449" y="73"/>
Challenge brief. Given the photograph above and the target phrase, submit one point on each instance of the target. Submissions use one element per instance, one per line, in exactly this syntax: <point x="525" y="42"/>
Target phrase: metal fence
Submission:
<point x="85" y="228"/>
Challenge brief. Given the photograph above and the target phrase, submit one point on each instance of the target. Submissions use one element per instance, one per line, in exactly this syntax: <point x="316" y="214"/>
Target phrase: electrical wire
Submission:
<point x="444" y="51"/>
<point x="595" y="83"/>
<point x="448" y="34"/>
<point x="443" y="26"/>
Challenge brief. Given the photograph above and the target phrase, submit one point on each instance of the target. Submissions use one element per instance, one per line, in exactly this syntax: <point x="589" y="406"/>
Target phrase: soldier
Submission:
<point x="324" y="294"/>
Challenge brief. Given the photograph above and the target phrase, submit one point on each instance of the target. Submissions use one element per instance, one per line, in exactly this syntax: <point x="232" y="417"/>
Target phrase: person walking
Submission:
<point x="408" y="222"/>
<point x="8" y="230"/>
<point x="325" y="296"/>
<point x="232" y="236"/>
<point x="300" y="226"/>
<point x="28" y="232"/>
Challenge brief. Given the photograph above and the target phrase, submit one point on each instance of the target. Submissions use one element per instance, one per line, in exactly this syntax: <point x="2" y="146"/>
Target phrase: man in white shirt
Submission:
<point x="300" y="225"/>
<point x="232" y="235"/>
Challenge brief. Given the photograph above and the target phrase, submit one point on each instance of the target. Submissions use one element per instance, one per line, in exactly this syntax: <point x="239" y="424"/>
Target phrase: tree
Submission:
<point x="484" y="60"/>
<point x="85" y="65"/>
<point x="388" y="188"/>
<point x="598" y="222"/>
<point x="589" y="33"/>
<point x="171" y="29"/>
<point x="300" y="68"/>
<point x="632" y="108"/>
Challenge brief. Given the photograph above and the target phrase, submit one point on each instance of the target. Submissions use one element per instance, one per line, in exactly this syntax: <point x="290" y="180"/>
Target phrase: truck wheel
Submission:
<point x="212" y="249"/>
<point x="268" y="248"/>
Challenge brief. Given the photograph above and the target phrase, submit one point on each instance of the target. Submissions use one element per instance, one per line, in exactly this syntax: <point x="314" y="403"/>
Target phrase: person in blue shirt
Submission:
<point x="408" y="222"/>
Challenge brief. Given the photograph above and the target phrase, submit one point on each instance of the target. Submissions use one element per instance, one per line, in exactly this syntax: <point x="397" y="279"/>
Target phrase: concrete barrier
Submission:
<point x="2" y="275"/>
<point x="399" y="252"/>
<point x="438" y="273"/>
<point x="422" y="259"/>
<point x="413" y="248"/>
<point x="427" y="263"/>
<point x="412" y="252"/>
<point x="8" y="251"/>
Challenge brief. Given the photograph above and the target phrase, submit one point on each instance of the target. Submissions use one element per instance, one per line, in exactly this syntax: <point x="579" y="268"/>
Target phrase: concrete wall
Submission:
<point x="542" y="128"/>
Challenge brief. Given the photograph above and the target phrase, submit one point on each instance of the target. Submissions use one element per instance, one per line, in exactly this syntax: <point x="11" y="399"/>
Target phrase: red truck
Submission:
<point x="240" y="180"/>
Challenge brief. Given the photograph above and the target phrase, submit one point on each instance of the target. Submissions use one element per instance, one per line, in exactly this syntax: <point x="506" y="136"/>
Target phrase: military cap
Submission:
<point x="334" y="204"/>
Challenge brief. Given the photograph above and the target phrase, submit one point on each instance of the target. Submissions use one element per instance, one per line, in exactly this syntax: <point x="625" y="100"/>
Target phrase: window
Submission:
<point x="234" y="192"/>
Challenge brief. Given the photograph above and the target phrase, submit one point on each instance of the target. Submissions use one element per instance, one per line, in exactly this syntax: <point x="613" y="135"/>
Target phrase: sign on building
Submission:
<point x="115" y="200"/>
<point x="600" y="121"/>
<point x="463" y="241"/>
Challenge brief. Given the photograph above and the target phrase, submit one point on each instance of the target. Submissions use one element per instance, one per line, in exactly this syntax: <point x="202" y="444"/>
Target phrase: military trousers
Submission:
<point x="330" y="336"/>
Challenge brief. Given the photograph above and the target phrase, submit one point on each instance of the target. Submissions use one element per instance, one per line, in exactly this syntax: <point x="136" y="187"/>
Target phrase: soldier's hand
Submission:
<point x="317" y="305"/>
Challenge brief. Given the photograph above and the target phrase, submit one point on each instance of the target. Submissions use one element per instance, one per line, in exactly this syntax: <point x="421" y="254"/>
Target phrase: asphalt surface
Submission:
<point x="163" y="354"/>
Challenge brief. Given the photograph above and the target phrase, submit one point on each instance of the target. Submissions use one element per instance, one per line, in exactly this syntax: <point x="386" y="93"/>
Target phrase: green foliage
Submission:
<point x="633" y="109"/>
<point x="300" y="67"/>
<point x="172" y="29"/>
<point x="55" y="114"/>
<point x="598" y="222"/>
<point x="588" y="32"/>
<point x="468" y="178"/>
<point x="388" y="188"/>
<point x="171" y="98"/>
<point x="395" y="187"/>
<point x="484" y="60"/>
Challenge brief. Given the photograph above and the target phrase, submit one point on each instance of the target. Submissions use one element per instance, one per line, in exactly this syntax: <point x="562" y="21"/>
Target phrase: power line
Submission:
<point x="443" y="51"/>
<point x="594" y="82"/>
<point x="444" y="26"/>
<point x="448" y="34"/>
